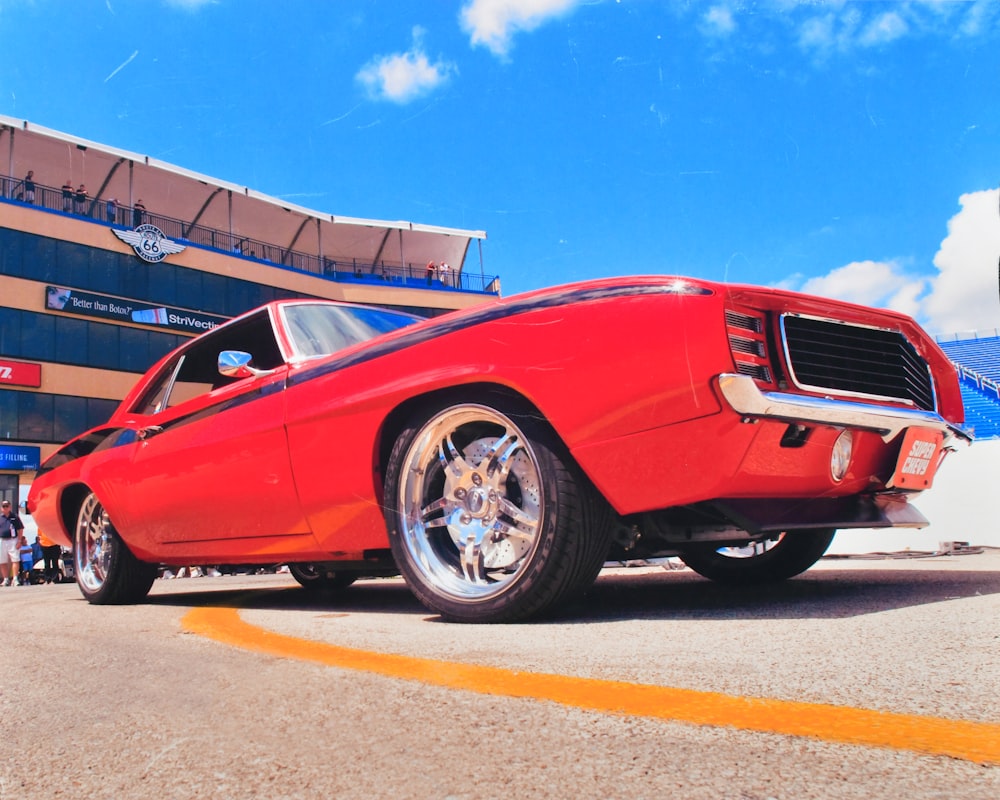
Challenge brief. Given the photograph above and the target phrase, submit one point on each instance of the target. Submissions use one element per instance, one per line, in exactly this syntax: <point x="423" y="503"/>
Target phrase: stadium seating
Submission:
<point x="978" y="362"/>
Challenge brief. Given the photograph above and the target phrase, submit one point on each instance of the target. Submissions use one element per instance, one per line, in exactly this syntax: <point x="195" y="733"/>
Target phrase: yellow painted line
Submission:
<point x="971" y="741"/>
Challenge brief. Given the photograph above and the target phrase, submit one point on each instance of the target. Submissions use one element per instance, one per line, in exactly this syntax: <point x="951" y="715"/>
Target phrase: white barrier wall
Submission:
<point x="961" y="506"/>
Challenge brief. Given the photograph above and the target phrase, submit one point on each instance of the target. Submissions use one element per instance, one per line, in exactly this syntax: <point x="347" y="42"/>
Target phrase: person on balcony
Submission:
<point x="80" y="200"/>
<point x="67" y="196"/>
<point x="28" y="187"/>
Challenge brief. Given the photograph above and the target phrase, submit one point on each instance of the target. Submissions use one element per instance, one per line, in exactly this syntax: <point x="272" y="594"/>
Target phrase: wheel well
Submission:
<point x="69" y="507"/>
<point x="467" y="392"/>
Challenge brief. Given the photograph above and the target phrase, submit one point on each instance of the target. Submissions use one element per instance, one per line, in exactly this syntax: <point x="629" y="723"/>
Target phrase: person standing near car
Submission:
<point x="10" y="554"/>
<point x="37" y="552"/>
<point x="27" y="560"/>
<point x="50" y="555"/>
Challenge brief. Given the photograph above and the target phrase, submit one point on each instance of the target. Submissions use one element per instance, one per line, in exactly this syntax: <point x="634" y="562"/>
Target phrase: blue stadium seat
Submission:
<point x="978" y="359"/>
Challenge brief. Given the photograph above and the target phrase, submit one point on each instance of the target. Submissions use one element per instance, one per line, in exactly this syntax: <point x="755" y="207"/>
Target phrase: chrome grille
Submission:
<point x="853" y="359"/>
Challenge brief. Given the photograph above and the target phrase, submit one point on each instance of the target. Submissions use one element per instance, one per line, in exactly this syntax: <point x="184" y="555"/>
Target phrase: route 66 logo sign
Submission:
<point x="149" y="243"/>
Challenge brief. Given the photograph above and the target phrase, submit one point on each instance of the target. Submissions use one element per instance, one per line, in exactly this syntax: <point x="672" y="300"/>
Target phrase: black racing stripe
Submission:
<point x="489" y="313"/>
<point x="80" y="447"/>
<point x="106" y="438"/>
<point x="226" y="404"/>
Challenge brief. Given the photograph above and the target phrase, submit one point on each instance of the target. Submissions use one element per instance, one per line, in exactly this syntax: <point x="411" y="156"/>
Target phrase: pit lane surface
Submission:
<point x="656" y="684"/>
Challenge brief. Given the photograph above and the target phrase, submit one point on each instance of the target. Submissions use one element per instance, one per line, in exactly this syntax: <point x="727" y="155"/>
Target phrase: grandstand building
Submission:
<point x="110" y="259"/>
<point x="977" y="358"/>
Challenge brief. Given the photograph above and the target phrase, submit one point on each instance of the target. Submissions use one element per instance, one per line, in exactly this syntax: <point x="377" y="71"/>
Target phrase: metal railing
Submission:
<point x="969" y="336"/>
<point x="341" y="269"/>
<point x="981" y="382"/>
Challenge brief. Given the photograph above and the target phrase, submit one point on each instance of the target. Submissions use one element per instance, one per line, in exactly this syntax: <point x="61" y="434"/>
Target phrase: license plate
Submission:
<point x="918" y="460"/>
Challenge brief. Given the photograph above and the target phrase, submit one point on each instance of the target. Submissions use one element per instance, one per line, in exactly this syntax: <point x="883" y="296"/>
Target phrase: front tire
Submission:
<point x="107" y="572"/>
<point x="489" y="520"/>
<point x="784" y="556"/>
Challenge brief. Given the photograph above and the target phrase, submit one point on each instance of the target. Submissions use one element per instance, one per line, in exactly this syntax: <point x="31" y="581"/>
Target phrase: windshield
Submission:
<point x="321" y="329"/>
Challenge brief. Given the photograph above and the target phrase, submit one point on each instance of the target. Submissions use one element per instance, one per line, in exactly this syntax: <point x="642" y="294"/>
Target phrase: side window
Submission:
<point x="195" y="371"/>
<point x="155" y="398"/>
<point x="195" y="378"/>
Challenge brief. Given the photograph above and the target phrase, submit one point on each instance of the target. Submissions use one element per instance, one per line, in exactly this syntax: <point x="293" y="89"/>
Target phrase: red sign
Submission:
<point x="17" y="373"/>
<point x="919" y="457"/>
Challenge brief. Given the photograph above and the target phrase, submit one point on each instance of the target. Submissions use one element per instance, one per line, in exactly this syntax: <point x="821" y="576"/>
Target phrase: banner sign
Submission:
<point x="14" y="456"/>
<point x="19" y="373"/>
<point x="73" y="301"/>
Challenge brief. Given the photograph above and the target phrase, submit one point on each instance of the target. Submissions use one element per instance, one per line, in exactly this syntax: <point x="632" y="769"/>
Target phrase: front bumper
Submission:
<point x="746" y="399"/>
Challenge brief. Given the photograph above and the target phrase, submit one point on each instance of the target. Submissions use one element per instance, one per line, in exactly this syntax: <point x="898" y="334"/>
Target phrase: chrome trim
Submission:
<point x="843" y="392"/>
<point x="746" y="399"/>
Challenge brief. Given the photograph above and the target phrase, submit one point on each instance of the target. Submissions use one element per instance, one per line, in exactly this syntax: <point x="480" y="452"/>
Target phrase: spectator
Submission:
<point x="50" y="555"/>
<point x="444" y="271"/>
<point x="112" y="210"/>
<point x="10" y="553"/>
<point x="26" y="560"/>
<point x="430" y="272"/>
<point x="67" y="196"/>
<point x="197" y="572"/>
<point x="37" y="554"/>
<point x="138" y="213"/>
<point x="29" y="187"/>
<point x="80" y="200"/>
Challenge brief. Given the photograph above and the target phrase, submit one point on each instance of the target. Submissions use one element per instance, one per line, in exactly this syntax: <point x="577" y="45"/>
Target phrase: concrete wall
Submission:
<point x="961" y="506"/>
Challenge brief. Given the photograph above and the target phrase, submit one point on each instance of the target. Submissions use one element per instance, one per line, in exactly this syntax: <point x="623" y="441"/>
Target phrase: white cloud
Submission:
<point x="842" y="27"/>
<point x="964" y="294"/>
<point x="884" y="284"/>
<point x="817" y="33"/>
<point x="494" y="22"/>
<point x="885" y="28"/>
<point x="718" y="21"/>
<point x="402" y="77"/>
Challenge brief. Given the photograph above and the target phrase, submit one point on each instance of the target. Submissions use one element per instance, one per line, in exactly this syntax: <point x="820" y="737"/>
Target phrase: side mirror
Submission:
<point x="237" y="364"/>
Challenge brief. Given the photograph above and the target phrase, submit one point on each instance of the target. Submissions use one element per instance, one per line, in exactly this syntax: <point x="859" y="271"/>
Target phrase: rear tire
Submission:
<point x="489" y="519"/>
<point x="317" y="578"/>
<point x="107" y="572"/>
<point x="786" y="555"/>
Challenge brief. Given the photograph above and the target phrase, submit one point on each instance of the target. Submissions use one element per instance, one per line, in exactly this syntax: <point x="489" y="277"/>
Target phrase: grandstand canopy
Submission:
<point x="175" y="192"/>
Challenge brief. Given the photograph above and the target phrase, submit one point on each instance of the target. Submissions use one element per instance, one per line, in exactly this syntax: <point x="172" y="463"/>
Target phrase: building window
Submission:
<point x="49" y="418"/>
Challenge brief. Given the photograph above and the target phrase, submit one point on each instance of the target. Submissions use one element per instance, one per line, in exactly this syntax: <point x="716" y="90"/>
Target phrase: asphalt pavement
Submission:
<point x="656" y="684"/>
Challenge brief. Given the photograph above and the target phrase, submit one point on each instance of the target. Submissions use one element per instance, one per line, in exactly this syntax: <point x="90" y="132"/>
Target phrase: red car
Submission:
<point x="497" y="457"/>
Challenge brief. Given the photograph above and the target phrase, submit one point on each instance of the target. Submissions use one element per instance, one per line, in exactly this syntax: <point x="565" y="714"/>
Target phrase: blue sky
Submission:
<point x="846" y="148"/>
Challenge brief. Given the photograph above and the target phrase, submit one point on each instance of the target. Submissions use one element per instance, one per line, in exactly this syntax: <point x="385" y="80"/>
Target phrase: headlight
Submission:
<point x="840" y="456"/>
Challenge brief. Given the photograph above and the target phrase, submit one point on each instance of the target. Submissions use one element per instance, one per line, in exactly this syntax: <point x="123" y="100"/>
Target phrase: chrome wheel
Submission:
<point x="471" y="502"/>
<point x="489" y="520"/>
<point x="106" y="570"/>
<point x="94" y="544"/>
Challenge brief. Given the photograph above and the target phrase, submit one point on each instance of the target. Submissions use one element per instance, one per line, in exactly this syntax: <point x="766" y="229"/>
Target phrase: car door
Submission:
<point x="212" y="462"/>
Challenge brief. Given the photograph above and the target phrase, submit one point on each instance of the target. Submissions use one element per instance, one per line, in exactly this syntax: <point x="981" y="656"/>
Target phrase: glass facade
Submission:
<point x="53" y="338"/>
<point x="33" y="336"/>
<point x="49" y="418"/>
<point x="38" y="258"/>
